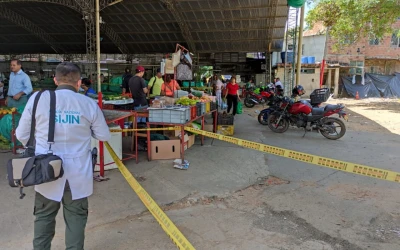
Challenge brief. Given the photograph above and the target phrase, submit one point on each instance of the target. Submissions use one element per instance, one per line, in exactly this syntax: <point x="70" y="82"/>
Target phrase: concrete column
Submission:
<point x="336" y="82"/>
<point x="329" y="80"/>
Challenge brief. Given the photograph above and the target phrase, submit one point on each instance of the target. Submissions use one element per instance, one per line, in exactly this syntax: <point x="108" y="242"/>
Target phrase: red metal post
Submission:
<point x="101" y="144"/>
<point x="321" y="78"/>
<point x="148" y="143"/>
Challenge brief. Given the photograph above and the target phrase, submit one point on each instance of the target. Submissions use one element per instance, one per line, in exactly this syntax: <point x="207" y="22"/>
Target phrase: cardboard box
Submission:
<point x="166" y="150"/>
<point x="191" y="141"/>
<point x="172" y="133"/>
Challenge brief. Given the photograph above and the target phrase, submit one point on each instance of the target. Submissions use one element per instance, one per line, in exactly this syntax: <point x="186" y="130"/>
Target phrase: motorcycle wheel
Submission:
<point x="329" y="128"/>
<point x="261" y="118"/>
<point x="249" y="103"/>
<point x="282" y="127"/>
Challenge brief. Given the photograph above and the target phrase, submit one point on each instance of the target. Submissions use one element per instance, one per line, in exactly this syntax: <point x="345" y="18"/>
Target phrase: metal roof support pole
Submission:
<point x="300" y="45"/>
<point x="290" y="40"/>
<point x="181" y="22"/>
<point x="87" y="8"/>
<point x="98" y="58"/>
<point x="272" y="12"/>
<point x="294" y="51"/>
<point x="29" y="26"/>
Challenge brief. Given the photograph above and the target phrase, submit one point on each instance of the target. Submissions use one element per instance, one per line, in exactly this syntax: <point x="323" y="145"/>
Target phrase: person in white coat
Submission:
<point x="77" y="119"/>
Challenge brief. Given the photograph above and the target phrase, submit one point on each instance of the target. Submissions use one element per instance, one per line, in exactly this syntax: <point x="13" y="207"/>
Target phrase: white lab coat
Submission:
<point x="77" y="119"/>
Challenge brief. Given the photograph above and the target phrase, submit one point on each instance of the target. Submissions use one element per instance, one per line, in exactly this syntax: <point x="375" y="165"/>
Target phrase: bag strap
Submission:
<point x="154" y="83"/>
<point x="52" y="120"/>
<point x="33" y="120"/>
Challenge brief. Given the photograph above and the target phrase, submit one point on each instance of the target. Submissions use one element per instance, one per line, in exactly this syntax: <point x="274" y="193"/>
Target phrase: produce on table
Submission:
<point x="5" y="111"/>
<point x="4" y="143"/>
<point x="186" y="101"/>
<point x="192" y="100"/>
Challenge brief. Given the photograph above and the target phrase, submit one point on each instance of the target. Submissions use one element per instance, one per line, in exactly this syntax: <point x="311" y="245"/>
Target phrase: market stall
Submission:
<point x="184" y="112"/>
<point x="9" y="118"/>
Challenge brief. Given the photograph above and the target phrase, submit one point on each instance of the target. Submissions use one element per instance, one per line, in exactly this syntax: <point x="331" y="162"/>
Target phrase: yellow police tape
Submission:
<point x="309" y="158"/>
<point x="167" y="225"/>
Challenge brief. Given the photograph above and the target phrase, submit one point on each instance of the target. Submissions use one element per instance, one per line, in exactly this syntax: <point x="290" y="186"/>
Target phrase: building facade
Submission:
<point x="368" y="55"/>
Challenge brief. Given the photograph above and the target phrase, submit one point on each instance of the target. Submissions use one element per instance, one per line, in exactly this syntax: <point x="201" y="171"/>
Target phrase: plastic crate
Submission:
<point x="225" y="130"/>
<point x="213" y="106"/>
<point x="208" y="108"/>
<point x="156" y="115"/>
<point x="193" y="112"/>
<point x="225" y="119"/>
<point x="179" y="115"/>
<point x="201" y="108"/>
<point x="319" y="95"/>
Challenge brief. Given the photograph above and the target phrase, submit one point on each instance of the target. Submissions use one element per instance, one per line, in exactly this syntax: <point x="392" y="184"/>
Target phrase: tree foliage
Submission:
<point x="353" y="20"/>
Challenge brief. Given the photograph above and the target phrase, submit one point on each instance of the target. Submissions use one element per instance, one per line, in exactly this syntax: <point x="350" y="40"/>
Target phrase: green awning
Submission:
<point x="296" y="3"/>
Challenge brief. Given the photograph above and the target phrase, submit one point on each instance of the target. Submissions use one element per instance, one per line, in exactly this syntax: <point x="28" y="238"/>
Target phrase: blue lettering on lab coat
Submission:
<point x="68" y="119"/>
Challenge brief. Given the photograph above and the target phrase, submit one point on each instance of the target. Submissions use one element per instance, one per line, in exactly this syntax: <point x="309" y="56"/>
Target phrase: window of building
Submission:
<point x="356" y="67"/>
<point x="374" y="41"/>
<point x="395" y="41"/>
<point x="307" y="71"/>
<point x="348" y="39"/>
<point x="302" y="49"/>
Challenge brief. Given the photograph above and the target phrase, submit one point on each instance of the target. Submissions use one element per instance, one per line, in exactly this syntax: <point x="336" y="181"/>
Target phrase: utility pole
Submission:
<point x="300" y="46"/>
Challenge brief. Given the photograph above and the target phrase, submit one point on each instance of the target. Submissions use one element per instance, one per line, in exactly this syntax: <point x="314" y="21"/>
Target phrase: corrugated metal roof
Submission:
<point x="151" y="26"/>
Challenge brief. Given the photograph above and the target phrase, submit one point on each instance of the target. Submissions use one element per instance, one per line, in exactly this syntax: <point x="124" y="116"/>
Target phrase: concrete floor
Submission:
<point x="226" y="201"/>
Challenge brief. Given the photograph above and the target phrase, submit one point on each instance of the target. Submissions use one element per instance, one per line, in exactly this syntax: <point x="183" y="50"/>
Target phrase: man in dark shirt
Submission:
<point x="125" y="81"/>
<point x="139" y="91"/>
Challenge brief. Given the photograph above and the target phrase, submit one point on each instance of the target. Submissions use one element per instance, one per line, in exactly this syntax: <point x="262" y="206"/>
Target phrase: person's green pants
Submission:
<point x="75" y="217"/>
<point x="11" y="103"/>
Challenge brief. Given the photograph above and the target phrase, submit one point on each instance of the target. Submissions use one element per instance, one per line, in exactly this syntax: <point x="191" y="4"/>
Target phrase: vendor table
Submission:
<point x="182" y="128"/>
<point x="116" y="116"/>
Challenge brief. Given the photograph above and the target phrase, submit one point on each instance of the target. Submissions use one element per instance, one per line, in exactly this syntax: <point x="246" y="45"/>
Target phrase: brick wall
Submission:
<point x="382" y="66"/>
<point x="349" y="52"/>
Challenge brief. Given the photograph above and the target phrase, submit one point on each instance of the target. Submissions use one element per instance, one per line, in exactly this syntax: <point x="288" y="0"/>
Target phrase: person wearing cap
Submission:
<point x="155" y="84"/>
<point x="125" y="81"/>
<point x="139" y="90"/>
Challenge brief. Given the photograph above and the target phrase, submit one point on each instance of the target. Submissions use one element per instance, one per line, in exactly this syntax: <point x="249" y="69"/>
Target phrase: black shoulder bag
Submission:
<point x="34" y="169"/>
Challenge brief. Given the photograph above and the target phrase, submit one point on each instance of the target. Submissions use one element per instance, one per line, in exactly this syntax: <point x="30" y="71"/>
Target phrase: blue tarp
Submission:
<point x="374" y="86"/>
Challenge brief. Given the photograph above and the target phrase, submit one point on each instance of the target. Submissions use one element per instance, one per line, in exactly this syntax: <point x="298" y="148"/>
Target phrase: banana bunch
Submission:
<point x="5" y="111"/>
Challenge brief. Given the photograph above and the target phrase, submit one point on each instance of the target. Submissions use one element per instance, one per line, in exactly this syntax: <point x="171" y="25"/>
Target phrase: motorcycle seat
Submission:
<point x="331" y="107"/>
<point x="318" y="111"/>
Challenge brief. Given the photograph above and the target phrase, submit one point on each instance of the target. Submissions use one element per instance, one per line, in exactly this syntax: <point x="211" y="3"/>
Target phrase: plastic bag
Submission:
<point x="239" y="109"/>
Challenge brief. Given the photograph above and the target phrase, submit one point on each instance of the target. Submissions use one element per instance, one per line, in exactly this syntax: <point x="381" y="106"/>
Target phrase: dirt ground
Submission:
<point x="384" y="112"/>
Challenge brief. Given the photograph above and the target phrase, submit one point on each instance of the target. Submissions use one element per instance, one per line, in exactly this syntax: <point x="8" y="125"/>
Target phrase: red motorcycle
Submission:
<point x="302" y="115"/>
<point x="252" y="98"/>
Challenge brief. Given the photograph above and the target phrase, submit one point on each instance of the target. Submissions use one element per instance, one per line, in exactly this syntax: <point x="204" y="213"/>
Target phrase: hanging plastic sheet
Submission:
<point x="364" y="91"/>
<point x="381" y="82"/>
<point x="394" y="85"/>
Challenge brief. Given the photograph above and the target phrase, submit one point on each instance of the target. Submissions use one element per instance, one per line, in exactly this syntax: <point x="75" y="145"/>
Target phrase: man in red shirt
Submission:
<point x="232" y="95"/>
